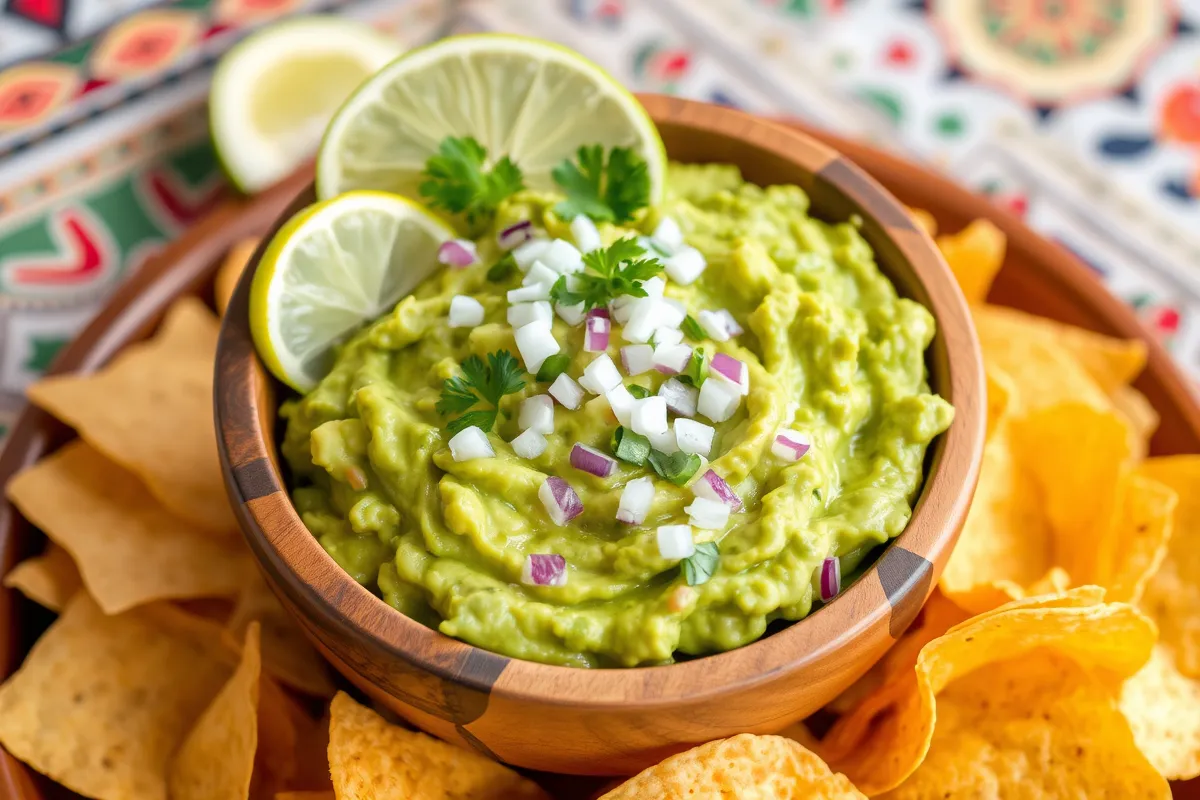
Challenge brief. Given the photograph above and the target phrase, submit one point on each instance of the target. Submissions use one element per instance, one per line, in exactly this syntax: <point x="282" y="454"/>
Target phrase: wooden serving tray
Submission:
<point x="1038" y="277"/>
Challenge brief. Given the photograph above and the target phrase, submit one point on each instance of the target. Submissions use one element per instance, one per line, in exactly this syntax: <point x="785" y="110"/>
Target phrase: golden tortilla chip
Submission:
<point x="287" y="653"/>
<point x="371" y="758"/>
<point x="1038" y="727"/>
<point x="312" y="751"/>
<point x="1137" y="411"/>
<point x="882" y="741"/>
<point x="1172" y="595"/>
<point x="217" y="757"/>
<point x="740" y="766"/>
<point x="1000" y="390"/>
<point x="275" y="761"/>
<point x="231" y="271"/>
<point x="924" y="220"/>
<point x="325" y="795"/>
<point x="102" y="702"/>
<point x="1139" y="535"/>
<point x="50" y="579"/>
<point x="1163" y="709"/>
<point x="129" y="549"/>
<point x="150" y="411"/>
<point x="975" y="254"/>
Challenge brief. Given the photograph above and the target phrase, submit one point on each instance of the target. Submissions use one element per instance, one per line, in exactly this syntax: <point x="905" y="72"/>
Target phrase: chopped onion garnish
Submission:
<point x="718" y="400"/>
<point x="587" y="237"/>
<point x="529" y="444"/>
<point x="592" y="461"/>
<point x="537" y="414"/>
<point x="665" y="442"/>
<point x="685" y="265"/>
<point x="465" y="312"/>
<point x="515" y="234"/>
<point x="544" y="569"/>
<point x="671" y="359"/>
<point x="729" y="322"/>
<point x="637" y="358"/>
<point x="789" y="445"/>
<point x="529" y="252"/>
<point x="599" y="312"/>
<point x="620" y="307"/>
<point x="653" y="287"/>
<point x="562" y="257"/>
<point x="457" y="253"/>
<point x="572" y="315"/>
<point x="521" y="314"/>
<point x="600" y="375"/>
<point x="636" y="499"/>
<point x="831" y="579"/>
<point x="539" y="273"/>
<point x="530" y="293"/>
<point x="719" y="325"/>
<point x="566" y="391"/>
<point x="675" y="542"/>
<point x="646" y="314"/>
<point x="596" y="332"/>
<point x="666" y="336"/>
<point x="708" y="514"/>
<point x="470" y="443"/>
<point x="713" y="487"/>
<point x="535" y="343"/>
<point x="649" y="416"/>
<point x="694" y="437"/>
<point x="667" y="235"/>
<point x="680" y="398"/>
<point x="732" y="370"/>
<point x="621" y="402"/>
<point x="560" y="500"/>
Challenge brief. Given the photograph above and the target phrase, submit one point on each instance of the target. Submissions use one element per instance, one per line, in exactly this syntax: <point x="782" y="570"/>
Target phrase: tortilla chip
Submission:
<point x="975" y="254"/>
<point x="740" y="766"/>
<point x="925" y="221"/>
<point x="102" y="702"/>
<point x="287" y="653"/>
<point x="326" y="795"/>
<point x="1163" y="709"/>
<point x="275" y="760"/>
<point x="1039" y="727"/>
<point x="1172" y="595"/>
<point x="231" y="271"/>
<point x="217" y="757"/>
<point x="371" y="758"/>
<point x="150" y="411"/>
<point x="129" y="549"/>
<point x="882" y="741"/>
<point x="1140" y="534"/>
<point x="1000" y="390"/>
<point x="50" y="579"/>
<point x="1137" y="411"/>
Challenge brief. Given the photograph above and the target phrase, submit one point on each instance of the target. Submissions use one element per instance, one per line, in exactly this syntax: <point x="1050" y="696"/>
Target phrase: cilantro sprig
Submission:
<point x="608" y="192"/>
<point x="609" y="272"/>
<point x="480" y="383"/>
<point x="700" y="565"/>
<point x="455" y="180"/>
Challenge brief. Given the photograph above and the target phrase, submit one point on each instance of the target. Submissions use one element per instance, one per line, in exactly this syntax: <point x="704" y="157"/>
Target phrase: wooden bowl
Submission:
<point x="617" y="721"/>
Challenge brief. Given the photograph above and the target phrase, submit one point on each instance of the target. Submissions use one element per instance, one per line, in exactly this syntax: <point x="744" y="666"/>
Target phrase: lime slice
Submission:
<point x="331" y="268"/>
<point x="273" y="94"/>
<point x="531" y="100"/>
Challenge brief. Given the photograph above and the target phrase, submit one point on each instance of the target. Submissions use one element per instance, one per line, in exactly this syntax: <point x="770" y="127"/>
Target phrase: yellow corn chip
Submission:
<point x="128" y="548"/>
<point x="371" y="758"/>
<point x="287" y="654"/>
<point x="231" y="272"/>
<point x="150" y="411"/>
<point x="975" y="254"/>
<point x="1000" y="391"/>
<point x="1163" y="709"/>
<point x="50" y="579"/>
<point x="1038" y="727"/>
<point x="1139" y="536"/>
<point x="1138" y="412"/>
<point x="217" y="757"/>
<point x="102" y="702"/>
<point x="741" y="766"/>
<point x="325" y="795"/>
<point x="882" y="741"/>
<point x="275" y="762"/>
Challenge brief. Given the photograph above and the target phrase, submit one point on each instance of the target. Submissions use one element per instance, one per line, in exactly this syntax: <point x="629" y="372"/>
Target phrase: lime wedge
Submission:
<point x="331" y="268"/>
<point x="273" y="94"/>
<point x="531" y="100"/>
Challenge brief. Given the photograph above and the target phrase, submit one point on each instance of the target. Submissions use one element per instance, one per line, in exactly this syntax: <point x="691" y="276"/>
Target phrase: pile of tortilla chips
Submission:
<point x="1059" y="656"/>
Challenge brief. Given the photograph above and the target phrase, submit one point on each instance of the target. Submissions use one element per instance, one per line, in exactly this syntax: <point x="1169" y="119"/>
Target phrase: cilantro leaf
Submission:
<point x="455" y="180"/>
<point x="609" y="193"/>
<point x="480" y="383"/>
<point x="700" y="565"/>
<point x="608" y="272"/>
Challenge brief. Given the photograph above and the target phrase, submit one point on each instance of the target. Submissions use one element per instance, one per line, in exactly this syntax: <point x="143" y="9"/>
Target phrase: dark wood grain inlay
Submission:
<point x="846" y="179"/>
<point x="256" y="479"/>
<point x="906" y="579"/>
<point x="476" y="743"/>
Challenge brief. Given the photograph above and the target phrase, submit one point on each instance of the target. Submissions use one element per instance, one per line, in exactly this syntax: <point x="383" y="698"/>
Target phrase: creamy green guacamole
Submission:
<point x="832" y="352"/>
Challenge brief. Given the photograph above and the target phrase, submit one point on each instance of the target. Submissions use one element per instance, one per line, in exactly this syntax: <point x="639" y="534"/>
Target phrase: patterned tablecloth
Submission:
<point x="1082" y="115"/>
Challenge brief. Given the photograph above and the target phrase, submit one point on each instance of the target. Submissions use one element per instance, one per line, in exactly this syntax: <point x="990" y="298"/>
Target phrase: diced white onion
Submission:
<point x="526" y="294"/>
<point x="600" y="375"/>
<point x="465" y="311"/>
<point x="636" y="499"/>
<point x="789" y="445"/>
<point x="664" y="442"/>
<point x="675" y="542"/>
<point x="529" y="444"/>
<point x="714" y="325"/>
<point x="653" y="287"/>
<point x="621" y="402"/>
<point x="521" y="314"/>
<point x="470" y="443"/>
<point x="648" y="314"/>
<point x="536" y="343"/>
<point x="587" y="237"/>
<point x="539" y="273"/>
<point x="529" y="252"/>
<point x="663" y="336"/>
<point x="649" y="417"/>
<point x="560" y="500"/>
<point x="566" y="391"/>
<point x="667" y="235"/>
<point x="694" y="437"/>
<point x="713" y="486"/>
<point x="572" y="315"/>
<point x="544" y="569"/>
<point x="637" y="358"/>
<point x="537" y="414"/>
<point x="620" y="308"/>
<point x="719" y="399"/>
<point x="730" y="323"/>
<point x="671" y="359"/>
<point x="562" y="257"/>
<point x="708" y="514"/>
<point x="685" y="265"/>
<point x="680" y="398"/>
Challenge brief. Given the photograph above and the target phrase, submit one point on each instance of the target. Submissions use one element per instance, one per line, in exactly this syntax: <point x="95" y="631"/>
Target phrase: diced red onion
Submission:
<point x="789" y="445"/>
<point x="560" y="500"/>
<point x="675" y="542"/>
<point x="637" y="358"/>
<point x="649" y="417"/>
<point x="719" y="399"/>
<point x="465" y="312"/>
<point x="592" y="461"/>
<point x="470" y="443"/>
<point x="595" y="338"/>
<point x="731" y="370"/>
<point x="599" y="312"/>
<point x="457" y="253"/>
<point x="529" y="444"/>
<point x="671" y="359"/>
<point x="713" y="486"/>
<point x="694" y="437"/>
<point x="831" y="579"/>
<point x="708" y="514"/>
<point x="566" y="391"/>
<point x="636" y="499"/>
<point x="515" y="234"/>
<point x="544" y="569"/>
<point x="680" y="398"/>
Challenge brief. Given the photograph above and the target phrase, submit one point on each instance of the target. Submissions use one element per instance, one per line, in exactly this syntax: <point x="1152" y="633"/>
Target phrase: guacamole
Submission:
<point x="833" y="357"/>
